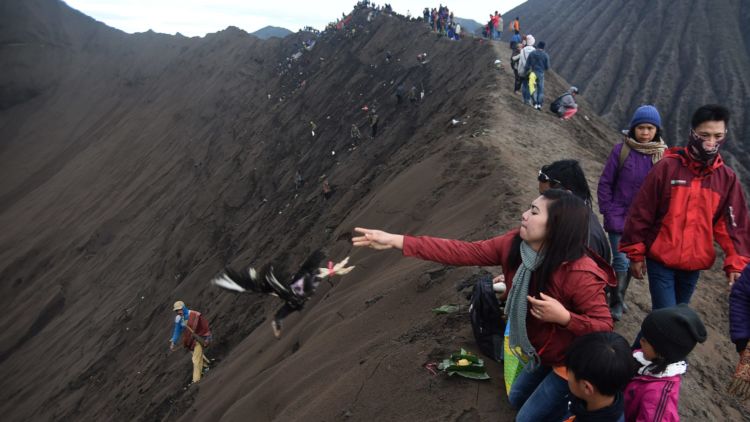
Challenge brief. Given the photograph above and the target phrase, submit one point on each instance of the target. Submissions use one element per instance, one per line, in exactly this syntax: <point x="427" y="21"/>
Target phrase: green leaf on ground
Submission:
<point x="446" y="309"/>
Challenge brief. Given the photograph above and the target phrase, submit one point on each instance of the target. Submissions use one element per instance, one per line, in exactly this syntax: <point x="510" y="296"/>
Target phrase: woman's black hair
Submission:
<point x="658" y="365"/>
<point x="657" y="135"/>
<point x="571" y="177"/>
<point x="567" y="234"/>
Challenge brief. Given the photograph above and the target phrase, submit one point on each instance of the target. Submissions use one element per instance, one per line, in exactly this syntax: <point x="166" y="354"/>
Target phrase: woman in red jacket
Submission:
<point x="556" y="294"/>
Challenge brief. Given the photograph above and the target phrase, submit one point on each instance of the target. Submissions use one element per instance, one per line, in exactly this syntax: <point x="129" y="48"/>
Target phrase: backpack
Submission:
<point x="486" y="319"/>
<point x="624" y="153"/>
<point x="555" y="106"/>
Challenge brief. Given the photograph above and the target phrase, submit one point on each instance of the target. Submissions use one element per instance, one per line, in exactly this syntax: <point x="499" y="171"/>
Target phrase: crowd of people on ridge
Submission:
<point x="564" y="294"/>
<point x="567" y="275"/>
<point x="442" y="21"/>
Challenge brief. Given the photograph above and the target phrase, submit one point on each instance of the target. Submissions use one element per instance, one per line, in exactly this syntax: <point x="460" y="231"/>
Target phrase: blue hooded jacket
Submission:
<point x="178" y="327"/>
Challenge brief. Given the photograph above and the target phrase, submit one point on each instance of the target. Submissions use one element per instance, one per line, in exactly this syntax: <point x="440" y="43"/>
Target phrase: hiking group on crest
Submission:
<point x="565" y="276"/>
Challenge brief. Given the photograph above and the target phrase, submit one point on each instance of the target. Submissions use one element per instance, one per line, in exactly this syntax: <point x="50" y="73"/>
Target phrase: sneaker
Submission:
<point x="276" y="326"/>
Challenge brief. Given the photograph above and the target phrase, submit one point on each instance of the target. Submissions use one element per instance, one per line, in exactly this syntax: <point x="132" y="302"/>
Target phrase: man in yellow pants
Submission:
<point x="193" y="328"/>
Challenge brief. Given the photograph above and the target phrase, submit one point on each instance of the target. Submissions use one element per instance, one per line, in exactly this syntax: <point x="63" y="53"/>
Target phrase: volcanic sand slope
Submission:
<point x="136" y="166"/>
<point x="676" y="55"/>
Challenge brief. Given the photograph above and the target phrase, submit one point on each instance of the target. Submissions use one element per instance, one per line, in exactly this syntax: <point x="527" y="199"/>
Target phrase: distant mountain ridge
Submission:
<point x="271" y="31"/>
<point x="469" y="25"/>
<point x="676" y="55"/>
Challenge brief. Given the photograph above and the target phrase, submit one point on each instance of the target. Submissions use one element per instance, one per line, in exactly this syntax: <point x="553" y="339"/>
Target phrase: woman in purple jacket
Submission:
<point x="627" y="167"/>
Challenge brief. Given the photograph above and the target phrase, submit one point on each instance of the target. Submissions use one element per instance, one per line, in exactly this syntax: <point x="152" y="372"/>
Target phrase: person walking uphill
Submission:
<point x="373" y="120"/>
<point x="538" y="62"/>
<point x="556" y="293"/>
<point x="689" y="199"/>
<point x="622" y="177"/>
<point x="523" y="70"/>
<point x="191" y="326"/>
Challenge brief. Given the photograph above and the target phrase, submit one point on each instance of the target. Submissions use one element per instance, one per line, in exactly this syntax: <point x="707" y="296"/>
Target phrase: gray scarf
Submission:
<point x="518" y="306"/>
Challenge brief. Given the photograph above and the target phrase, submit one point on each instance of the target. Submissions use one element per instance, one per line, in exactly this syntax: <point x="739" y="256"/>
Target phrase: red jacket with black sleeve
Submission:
<point x="578" y="285"/>
<point x="681" y="209"/>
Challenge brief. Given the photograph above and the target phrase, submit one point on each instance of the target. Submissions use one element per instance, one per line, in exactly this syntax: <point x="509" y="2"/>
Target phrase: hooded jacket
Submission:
<point x="654" y="397"/>
<point x="681" y="209"/>
<point x="578" y="285"/>
<point x="618" y="186"/>
<point x="739" y="310"/>
<point x="567" y="101"/>
<point x="538" y="61"/>
<point x="525" y="52"/>
<point x="514" y="40"/>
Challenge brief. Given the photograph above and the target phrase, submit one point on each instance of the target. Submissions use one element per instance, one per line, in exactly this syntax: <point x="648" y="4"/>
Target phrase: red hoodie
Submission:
<point x="681" y="209"/>
<point x="578" y="285"/>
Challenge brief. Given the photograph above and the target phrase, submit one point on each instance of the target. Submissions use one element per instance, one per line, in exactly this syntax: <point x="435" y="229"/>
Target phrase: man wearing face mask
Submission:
<point x="689" y="199"/>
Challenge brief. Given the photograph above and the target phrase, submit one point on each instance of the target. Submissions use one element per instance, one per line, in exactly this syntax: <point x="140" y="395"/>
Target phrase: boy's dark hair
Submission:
<point x="710" y="112"/>
<point x="604" y="359"/>
<point x="571" y="177"/>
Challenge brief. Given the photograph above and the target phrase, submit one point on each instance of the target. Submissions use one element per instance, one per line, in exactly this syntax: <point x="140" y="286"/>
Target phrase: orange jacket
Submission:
<point x="681" y="209"/>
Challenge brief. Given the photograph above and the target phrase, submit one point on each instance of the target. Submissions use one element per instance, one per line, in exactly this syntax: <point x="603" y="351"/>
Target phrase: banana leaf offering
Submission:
<point x="464" y="364"/>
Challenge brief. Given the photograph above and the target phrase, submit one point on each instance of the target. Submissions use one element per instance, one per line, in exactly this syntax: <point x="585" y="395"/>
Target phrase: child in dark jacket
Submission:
<point x="599" y="365"/>
<point x="739" y="331"/>
<point x="668" y="336"/>
<point x="294" y="290"/>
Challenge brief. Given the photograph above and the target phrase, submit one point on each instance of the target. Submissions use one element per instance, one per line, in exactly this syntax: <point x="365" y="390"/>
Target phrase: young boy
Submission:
<point x="599" y="365"/>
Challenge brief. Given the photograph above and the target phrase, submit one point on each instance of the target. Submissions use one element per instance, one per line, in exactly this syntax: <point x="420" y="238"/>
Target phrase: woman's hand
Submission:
<point x="732" y="277"/>
<point x="377" y="239"/>
<point x="638" y="269"/>
<point x="548" y="309"/>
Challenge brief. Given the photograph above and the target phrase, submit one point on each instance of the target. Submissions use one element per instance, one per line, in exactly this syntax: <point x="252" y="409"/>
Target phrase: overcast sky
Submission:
<point x="199" y="17"/>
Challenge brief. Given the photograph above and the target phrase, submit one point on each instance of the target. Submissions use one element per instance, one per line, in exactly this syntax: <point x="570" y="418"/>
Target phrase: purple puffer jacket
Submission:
<point x="739" y="309"/>
<point x="617" y="188"/>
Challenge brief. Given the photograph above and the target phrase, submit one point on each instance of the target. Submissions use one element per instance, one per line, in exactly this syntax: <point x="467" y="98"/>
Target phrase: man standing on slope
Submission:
<point x="522" y="69"/>
<point x="193" y="328"/>
<point x="538" y="62"/>
<point x="689" y="199"/>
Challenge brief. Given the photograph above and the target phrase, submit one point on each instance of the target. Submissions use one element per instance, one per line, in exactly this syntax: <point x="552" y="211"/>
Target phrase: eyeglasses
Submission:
<point x="546" y="179"/>
<point x="705" y="137"/>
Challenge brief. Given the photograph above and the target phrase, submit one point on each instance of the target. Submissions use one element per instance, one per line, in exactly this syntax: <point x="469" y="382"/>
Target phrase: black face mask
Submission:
<point x="698" y="153"/>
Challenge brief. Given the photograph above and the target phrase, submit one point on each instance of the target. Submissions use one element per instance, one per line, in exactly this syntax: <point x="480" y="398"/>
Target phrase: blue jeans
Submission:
<point x="539" y="395"/>
<point x="539" y="93"/>
<point x="669" y="287"/>
<point x="525" y="89"/>
<point x="620" y="261"/>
